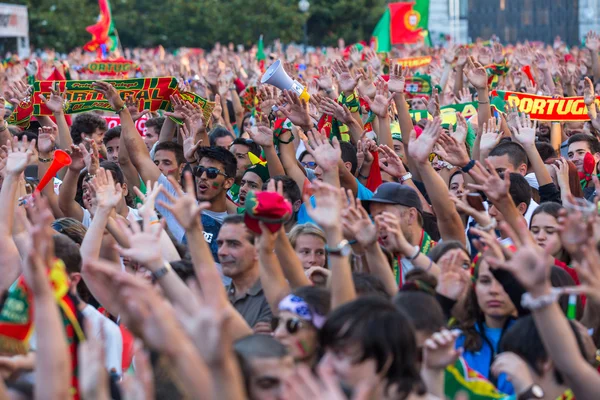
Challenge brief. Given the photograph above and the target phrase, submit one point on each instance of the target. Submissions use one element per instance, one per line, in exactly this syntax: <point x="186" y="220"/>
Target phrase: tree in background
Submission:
<point x="60" y="24"/>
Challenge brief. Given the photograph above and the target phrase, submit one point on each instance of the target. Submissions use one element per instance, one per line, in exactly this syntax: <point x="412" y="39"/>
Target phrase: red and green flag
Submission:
<point x="405" y="22"/>
<point x="103" y="32"/>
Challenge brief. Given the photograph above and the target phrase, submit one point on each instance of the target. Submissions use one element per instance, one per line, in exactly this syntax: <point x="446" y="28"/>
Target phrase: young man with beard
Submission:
<point x="215" y="172"/>
<point x="239" y="261"/>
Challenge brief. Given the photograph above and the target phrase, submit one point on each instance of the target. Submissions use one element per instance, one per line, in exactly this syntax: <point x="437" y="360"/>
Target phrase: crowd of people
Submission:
<point x="290" y="249"/>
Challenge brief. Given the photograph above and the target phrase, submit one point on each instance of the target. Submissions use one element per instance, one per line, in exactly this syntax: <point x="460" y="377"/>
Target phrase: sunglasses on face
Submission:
<point x="309" y="164"/>
<point x="292" y="325"/>
<point x="211" y="172"/>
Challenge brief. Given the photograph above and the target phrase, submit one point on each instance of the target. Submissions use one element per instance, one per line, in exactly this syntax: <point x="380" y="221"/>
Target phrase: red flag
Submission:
<point x="404" y="22"/>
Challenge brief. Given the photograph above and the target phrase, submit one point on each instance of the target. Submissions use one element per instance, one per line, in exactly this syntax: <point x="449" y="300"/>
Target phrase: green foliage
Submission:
<point x="61" y="24"/>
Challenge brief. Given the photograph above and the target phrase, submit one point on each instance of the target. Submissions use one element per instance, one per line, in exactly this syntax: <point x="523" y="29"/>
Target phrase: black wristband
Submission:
<point x="468" y="167"/>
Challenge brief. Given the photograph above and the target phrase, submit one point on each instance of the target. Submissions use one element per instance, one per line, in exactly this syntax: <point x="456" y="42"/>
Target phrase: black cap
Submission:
<point x="394" y="193"/>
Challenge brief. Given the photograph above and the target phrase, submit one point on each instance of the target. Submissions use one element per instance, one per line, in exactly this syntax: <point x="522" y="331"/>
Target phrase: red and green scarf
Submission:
<point x="16" y="317"/>
<point x="425" y="246"/>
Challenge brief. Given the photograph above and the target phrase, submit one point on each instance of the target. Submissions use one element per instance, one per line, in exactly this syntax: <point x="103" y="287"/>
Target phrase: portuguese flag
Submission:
<point x="405" y="22"/>
<point x="103" y="32"/>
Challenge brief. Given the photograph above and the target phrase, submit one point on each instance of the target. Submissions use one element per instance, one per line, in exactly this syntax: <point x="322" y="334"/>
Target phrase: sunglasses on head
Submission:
<point x="292" y="325"/>
<point x="247" y="142"/>
<point x="211" y="172"/>
<point x="309" y="164"/>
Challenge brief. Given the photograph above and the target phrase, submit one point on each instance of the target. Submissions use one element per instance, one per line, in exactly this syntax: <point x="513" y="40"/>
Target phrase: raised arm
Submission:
<point x="52" y="362"/>
<point x="531" y="266"/>
<point x="449" y="221"/>
<point x="68" y="188"/>
<point x="524" y="133"/>
<point x="187" y="211"/>
<point x="56" y="103"/>
<point x="133" y="141"/>
<point x="271" y="276"/>
<point x="380" y="106"/>
<point x="20" y="154"/>
<point x="327" y="215"/>
<point x="477" y="76"/>
<point x="356" y="220"/>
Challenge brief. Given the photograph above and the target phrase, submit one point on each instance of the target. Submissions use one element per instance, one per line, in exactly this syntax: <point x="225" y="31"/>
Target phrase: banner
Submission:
<point x="153" y="93"/>
<point x="546" y="108"/>
<point x="111" y="67"/>
<point x="447" y="113"/>
<point x="414" y="62"/>
<point x="115" y="121"/>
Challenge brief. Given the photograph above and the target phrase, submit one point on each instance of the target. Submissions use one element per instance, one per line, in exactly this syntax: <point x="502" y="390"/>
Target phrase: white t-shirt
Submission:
<point x="113" y="341"/>
<point x="133" y="216"/>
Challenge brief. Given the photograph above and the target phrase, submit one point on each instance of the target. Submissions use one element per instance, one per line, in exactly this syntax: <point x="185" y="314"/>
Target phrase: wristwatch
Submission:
<point x="534" y="392"/>
<point x="405" y="177"/>
<point x="343" y="249"/>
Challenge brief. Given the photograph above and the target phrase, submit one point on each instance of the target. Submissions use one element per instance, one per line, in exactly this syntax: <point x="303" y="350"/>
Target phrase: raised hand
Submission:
<point x="107" y="194"/>
<point x="296" y="109"/>
<point x="465" y="96"/>
<point x="372" y="59"/>
<point x="56" y="101"/>
<point x="146" y="210"/>
<point x="433" y="105"/>
<point x="139" y="386"/>
<point x="512" y="115"/>
<point x="592" y="41"/>
<point x="356" y="221"/>
<point x="178" y="107"/>
<point x="144" y="243"/>
<point x="574" y="231"/>
<point x="454" y="278"/>
<point x="325" y="81"/>
<point x="476" y="74"/>
<point x="190" y="144"/>
<point x="78" y="156"/>
<point x="439" y="351"/>
<point x="326" y="154"/>
<point x="462" y="56"/>
<point x="366" y="88"/>
<point x="261" y="132"/>
<point x="490" y="136"/>
<point x="381" y="103"/>
<point x="420" y="148"/>
<point x="338" y="111"/>
<point x="456" y="152"/>
<point x="110" y="94"/>
<point x="133" y="105"/>
<point x="390" y="163"/>
<point x="346" y="81"/>
<point x="18" y="92"/>
<point x="497" y="53"/>
<point x="19" y="155"/>
<point x="40" y="254"/>
<point x="47" y="139"/>
<point x="327" y="213"/>
<point x="489" y="182"/>
<point x="185" y="207"/>
<point x="588" y="92"/>
<point x="390" y="232"/>
<point x="355" y="55"/>
<point x="267" y="96"/>
<point x="397" y="79"/>
<point x="531" y="264"/>
<point x="92" y="157"/>
<point x="524" y="133"/>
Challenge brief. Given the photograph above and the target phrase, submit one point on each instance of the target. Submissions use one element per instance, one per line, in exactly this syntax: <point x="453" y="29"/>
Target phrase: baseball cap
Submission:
<point x="394" y="193"/>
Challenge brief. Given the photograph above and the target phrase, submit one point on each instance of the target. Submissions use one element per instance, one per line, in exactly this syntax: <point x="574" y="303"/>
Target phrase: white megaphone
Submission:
<point x="277" y="77"/>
